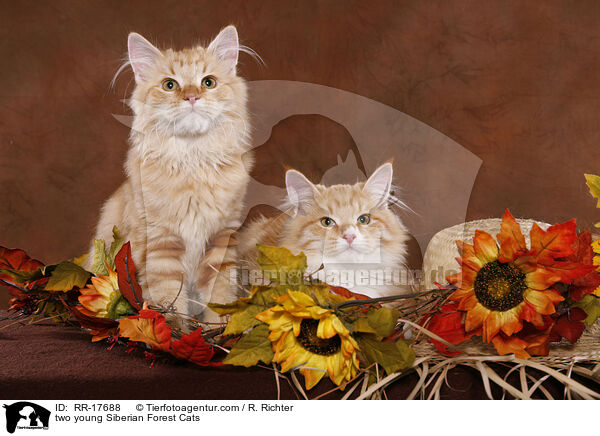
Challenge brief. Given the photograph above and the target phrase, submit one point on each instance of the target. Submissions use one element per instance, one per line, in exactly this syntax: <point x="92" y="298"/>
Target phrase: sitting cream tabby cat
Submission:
<point x="185" y="172"/>
<point x="349" y="229"/>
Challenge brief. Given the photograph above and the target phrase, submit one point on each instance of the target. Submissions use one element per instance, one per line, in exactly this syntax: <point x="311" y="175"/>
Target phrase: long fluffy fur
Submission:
<point x="380" y="245"/>
<point x="186" y="173"/>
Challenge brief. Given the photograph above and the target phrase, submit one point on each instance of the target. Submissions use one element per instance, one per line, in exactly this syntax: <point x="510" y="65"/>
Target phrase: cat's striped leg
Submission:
<point x="217" y="276"/>
<point x="165" y="274"/>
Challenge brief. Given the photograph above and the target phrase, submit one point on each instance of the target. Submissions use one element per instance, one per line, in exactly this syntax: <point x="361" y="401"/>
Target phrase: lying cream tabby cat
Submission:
<point x="349" y="229"/>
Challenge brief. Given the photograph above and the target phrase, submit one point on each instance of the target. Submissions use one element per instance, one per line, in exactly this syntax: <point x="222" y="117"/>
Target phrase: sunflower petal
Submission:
<point x="511" y="323"/>
<point x="476" y="317"/>
<point x="463" y="279"/>
<point x="311" y="377"/>
<point x="468" y="302"/>
<point x="325" y="329"/>
<point x="543" y="302"/>
<point x="529" y="314"/>
<point x="596" y="246"/>
<point x="485" y="245"/>
<point x="468" y="256"/>
<point x="492" y="325"/>
<point x="541" y="279"/>
<point x="510" y="345"/>
<point x="511" y="238"/>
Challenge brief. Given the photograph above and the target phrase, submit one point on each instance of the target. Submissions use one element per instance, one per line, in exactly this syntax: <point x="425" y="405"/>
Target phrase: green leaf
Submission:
<point x="362" y="325"/>
<point x="323" y="295"/>
<point x="383" y="321"/>
<point x="230" y="308"/>
<point x="119" y="307"/>
<point x="99" y="266"/>
<point x="66" y="276"/>
<point x="244" y="310"/>
<point x="252" y="348"/>
<point x="593" y="183"/>
<point x="115" y="246"/>
<point x="57" y="311"/>
<point x="393" y="356"/>
<point x="591" y="306"/>
<point x="264" y="296"/>
<point x="280" y="265"/>
<point x="81" y="259"/>
<point x="22" y="276"/>
<point x="243" y="320"/>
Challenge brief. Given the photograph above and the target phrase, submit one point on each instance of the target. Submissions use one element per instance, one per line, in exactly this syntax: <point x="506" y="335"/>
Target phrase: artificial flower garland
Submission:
<point x="518" y="298"/>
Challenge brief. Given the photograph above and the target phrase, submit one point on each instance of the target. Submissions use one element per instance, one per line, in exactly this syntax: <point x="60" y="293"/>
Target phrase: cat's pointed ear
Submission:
<point x="380" y="183"/>
<point x="227" y="47"/>
<point x="300" y="190"/>
<point x="142" y="55"/>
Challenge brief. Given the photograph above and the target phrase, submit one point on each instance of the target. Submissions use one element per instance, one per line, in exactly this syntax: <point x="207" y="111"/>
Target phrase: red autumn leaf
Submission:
<point x="537" y="337"/>
<point x="584" y="285"/>
<point x="569" y="325"/>
<point x="18" y="260"/>
<point x="149" y="327"/>
<point x="192" y="347"/>
<point x="582" y="249"/>
<point x="347" y="293"/>
<point x="128" y="285"/>
<point x="448" y="323"/>
<point x="568" y="271"/>
<point x="555" y="242"/>
<point x="583" y="253"/>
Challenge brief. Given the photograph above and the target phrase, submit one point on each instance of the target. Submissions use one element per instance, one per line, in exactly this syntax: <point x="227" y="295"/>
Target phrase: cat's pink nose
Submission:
<point x="349" y="238"/>
<point x="191" y="98"/>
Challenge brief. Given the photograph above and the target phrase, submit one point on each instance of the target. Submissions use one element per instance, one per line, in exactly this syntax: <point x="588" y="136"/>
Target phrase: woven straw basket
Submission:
<point x="440" y="261"/>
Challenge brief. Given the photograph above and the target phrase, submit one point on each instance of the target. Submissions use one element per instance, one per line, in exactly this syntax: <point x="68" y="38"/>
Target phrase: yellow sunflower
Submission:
<point x="501" y="287"/>
<point x="596" y="260"/>
<point x="102" y="298"/>
<point x="310" y="337"/>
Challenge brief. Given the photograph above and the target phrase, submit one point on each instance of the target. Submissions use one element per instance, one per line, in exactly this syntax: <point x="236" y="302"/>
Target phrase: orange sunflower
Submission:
<point x="499" y="287"/>
<point x="102" y="298"/>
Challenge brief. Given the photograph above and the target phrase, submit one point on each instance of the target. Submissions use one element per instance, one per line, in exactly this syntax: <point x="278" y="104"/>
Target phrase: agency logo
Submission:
<point x="26" y="415"/>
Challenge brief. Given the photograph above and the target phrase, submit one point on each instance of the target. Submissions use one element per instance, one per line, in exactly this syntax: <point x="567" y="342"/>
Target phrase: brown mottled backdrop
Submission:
<point x="514" y="82"/>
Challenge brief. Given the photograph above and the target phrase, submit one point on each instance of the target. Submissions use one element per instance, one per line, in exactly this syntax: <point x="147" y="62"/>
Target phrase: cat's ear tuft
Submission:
<point x="300" y="190"/>
<point x="380" y="183"/>
<point x="142" y="55"/>
<point x="226" y="46"/>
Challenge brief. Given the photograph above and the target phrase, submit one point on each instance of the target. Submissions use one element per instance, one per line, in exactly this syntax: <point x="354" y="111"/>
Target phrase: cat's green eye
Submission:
<point x="327" y="222"/>
<point x="209" y="82"/>
<point x="364" y="219"/>
<point x="170" y="85"/>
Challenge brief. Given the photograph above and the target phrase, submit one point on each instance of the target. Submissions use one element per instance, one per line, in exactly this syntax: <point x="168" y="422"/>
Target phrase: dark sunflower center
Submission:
<point x="309" y="340"/>
<point x="500" y="286"/>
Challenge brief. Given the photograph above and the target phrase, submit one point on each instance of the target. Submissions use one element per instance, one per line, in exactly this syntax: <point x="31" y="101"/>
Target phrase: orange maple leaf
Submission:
<point x="149" y="327"/>
<point x="555" y="242"/>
